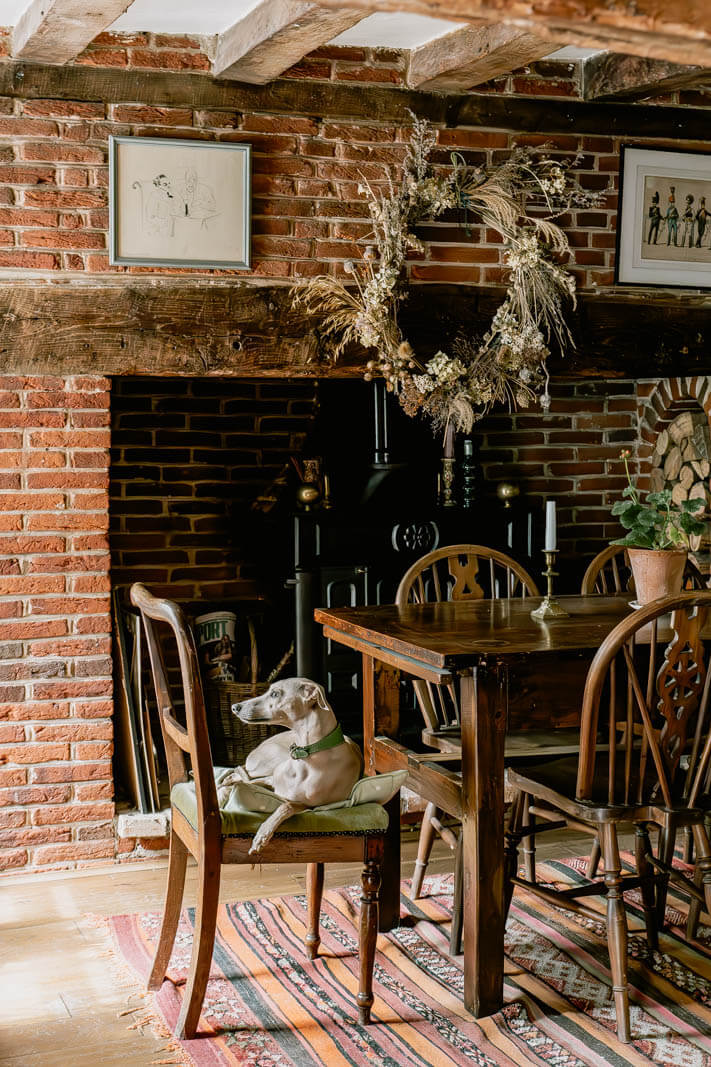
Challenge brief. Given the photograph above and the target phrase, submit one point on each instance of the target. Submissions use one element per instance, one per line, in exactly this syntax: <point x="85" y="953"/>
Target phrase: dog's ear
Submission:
<point x="314" y="694"/>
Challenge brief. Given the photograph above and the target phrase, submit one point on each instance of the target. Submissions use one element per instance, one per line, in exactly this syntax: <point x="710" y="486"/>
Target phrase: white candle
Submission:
<point x="550" y="543"/>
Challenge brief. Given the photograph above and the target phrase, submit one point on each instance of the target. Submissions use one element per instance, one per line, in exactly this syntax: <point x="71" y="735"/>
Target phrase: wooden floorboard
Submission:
<point x="59" y="1002"/>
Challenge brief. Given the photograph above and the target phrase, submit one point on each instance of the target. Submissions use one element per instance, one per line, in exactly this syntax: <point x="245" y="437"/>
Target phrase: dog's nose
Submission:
<point x="236" y="708"/>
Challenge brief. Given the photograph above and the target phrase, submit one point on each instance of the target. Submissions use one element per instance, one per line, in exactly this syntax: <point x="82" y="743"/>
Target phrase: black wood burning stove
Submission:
<point x="356" y="555"/>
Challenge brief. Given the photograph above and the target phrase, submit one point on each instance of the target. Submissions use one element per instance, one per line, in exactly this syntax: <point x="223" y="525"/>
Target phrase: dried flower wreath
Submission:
<point x="508" y="363"/>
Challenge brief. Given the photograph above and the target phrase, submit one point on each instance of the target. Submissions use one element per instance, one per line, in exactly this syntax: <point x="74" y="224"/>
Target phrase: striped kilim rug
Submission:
<point x="268" y="1006"/>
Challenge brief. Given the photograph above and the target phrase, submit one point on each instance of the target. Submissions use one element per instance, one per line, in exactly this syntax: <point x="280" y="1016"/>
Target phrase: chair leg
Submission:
<point x="687" y="847"/>
<point x="370" y="889"/>
<point x="314" y="893"/>
<point x="512" y="840"/>
<point x="701" y="879"/>
<point x="692" y="919"/>
<point x="667" y="838"/>
<point x="177" y="863"/>
<point x="203" y="940"/>
<point x="642" y="849"/>
<point x="594" y="860"/>
<point x="529" y="842"/>
<point x="424" y="848"/>
<point x="616" y="928"/>
<point x="455" y="934"/>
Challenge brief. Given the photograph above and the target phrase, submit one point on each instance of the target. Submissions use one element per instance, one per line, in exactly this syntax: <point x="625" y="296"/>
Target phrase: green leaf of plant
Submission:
<point x="622" y="507"/>
<point x="636" y="539"/>
<point x="648" y="520"/>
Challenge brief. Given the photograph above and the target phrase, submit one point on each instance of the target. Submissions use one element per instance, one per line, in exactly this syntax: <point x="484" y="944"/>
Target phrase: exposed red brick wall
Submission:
<point x="55" y="645"/>
<point x="572" y="454"/>
<point x="308" y="215"/>
<point x="189" y="456"/>
<point x="364" y="66"/>
<point x="55" y="671"/>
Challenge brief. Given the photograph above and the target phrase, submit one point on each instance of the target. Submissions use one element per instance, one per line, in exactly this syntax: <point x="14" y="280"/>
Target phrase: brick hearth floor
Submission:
<point x="58" y="1002"/>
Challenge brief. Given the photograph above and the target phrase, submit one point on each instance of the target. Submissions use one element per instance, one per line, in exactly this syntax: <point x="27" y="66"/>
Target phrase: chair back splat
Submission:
<point x="458" y="572"/>
<point x="654" y="694"/>
<point x="192" y="739"/>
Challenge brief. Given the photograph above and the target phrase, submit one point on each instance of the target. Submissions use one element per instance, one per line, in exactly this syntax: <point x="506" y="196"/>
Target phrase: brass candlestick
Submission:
<point x="448" y="500"/>
<point x="549" y="608"/>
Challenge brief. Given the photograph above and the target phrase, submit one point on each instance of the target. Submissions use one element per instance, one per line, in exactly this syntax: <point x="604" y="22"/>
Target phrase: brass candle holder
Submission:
<point x="447" y="500"/>
<point x="549" y="608"/>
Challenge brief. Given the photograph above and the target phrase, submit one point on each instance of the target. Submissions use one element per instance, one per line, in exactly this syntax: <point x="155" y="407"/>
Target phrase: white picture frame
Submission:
<point x="179" y="203"/>
<point x="664" y="219"/>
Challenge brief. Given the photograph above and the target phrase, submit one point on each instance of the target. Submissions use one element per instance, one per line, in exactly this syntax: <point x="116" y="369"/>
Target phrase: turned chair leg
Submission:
<point x="370" y="889"/>
<point x="177" y="863"/>
<point x="702" y="878"/>
<point x="692" y="919"/>
<point x="455" y="933"/>
<point x="667" y="840"/>
<point x="594" y="860"/>
<point x="687" y="850"/>
<point x="511" y="843"/>
<point x="642" y="849"/>
<point x="203" y="941"/>
<point x="529" y="842"/>
<point x="314" y="894"/>
<point x="424" y="848"/>
<point x="616" y="928"/>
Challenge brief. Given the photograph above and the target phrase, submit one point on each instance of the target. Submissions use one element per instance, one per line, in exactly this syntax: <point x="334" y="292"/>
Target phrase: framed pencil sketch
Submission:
<point x="179" y="203"/>
<point x="664" y="223"/>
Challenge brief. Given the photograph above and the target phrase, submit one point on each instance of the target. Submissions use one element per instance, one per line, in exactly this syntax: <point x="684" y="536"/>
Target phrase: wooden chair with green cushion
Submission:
<point x="215" y="835"/>
<point x="459" y="572"/>
<point x="651" y="695"/>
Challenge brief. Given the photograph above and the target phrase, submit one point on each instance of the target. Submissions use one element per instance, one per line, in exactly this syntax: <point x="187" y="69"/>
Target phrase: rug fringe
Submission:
<point x="124" y="976"/>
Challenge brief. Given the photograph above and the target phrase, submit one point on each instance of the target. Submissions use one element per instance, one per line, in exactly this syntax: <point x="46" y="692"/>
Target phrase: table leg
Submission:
<point x="483" y="714"/>
<point x="381" y="706"/>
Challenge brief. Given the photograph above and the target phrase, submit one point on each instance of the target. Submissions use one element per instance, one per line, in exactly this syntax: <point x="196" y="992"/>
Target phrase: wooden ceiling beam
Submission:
<point x="386" y="104"/>
<point x="56" y="31"/>
<point x="609" y="75"/>
<point x="680" y="32"/>
<point x="275" y="35"/>
<point x="472" y="55"/>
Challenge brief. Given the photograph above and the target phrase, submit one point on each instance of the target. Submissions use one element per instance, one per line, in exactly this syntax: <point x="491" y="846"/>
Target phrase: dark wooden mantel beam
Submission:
<point x="124" y="326"/>
<point x="182" y="326"/>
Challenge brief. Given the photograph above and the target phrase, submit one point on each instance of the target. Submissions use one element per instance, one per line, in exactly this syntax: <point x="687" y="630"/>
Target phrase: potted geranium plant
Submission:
<point x="657" y="538"/>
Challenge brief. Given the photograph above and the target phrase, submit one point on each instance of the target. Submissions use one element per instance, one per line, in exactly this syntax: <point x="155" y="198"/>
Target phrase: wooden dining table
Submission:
<point x="481" y="645"/>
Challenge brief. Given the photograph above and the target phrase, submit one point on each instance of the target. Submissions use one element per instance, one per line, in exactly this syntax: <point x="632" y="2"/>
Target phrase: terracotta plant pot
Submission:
<point x="657" y="572"/>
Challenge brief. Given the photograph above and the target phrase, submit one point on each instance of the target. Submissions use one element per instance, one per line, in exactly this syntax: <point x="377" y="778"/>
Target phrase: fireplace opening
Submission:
<point x="206" y="508"/>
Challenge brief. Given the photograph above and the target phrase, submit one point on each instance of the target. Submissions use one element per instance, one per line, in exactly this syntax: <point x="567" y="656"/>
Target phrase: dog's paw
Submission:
<point x="260" y="839"/>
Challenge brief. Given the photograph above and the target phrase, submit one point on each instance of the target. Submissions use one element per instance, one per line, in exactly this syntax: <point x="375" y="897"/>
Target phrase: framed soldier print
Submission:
<point x="664" y="219"/>
<point x="179" y="203"/>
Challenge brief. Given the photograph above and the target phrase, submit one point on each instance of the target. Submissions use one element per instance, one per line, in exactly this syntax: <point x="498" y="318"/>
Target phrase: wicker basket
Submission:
<point x="231" y="739"/>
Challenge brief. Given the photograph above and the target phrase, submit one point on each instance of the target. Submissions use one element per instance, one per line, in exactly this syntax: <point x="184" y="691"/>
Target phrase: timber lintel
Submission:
<point x="227" y="328"/>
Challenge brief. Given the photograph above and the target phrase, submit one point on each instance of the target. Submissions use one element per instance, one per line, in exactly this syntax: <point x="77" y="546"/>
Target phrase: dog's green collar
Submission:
<point x="329" y="741"/>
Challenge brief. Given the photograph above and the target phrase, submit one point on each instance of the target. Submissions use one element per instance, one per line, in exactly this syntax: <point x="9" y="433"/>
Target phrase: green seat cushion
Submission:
<point x="237" y="818"/>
